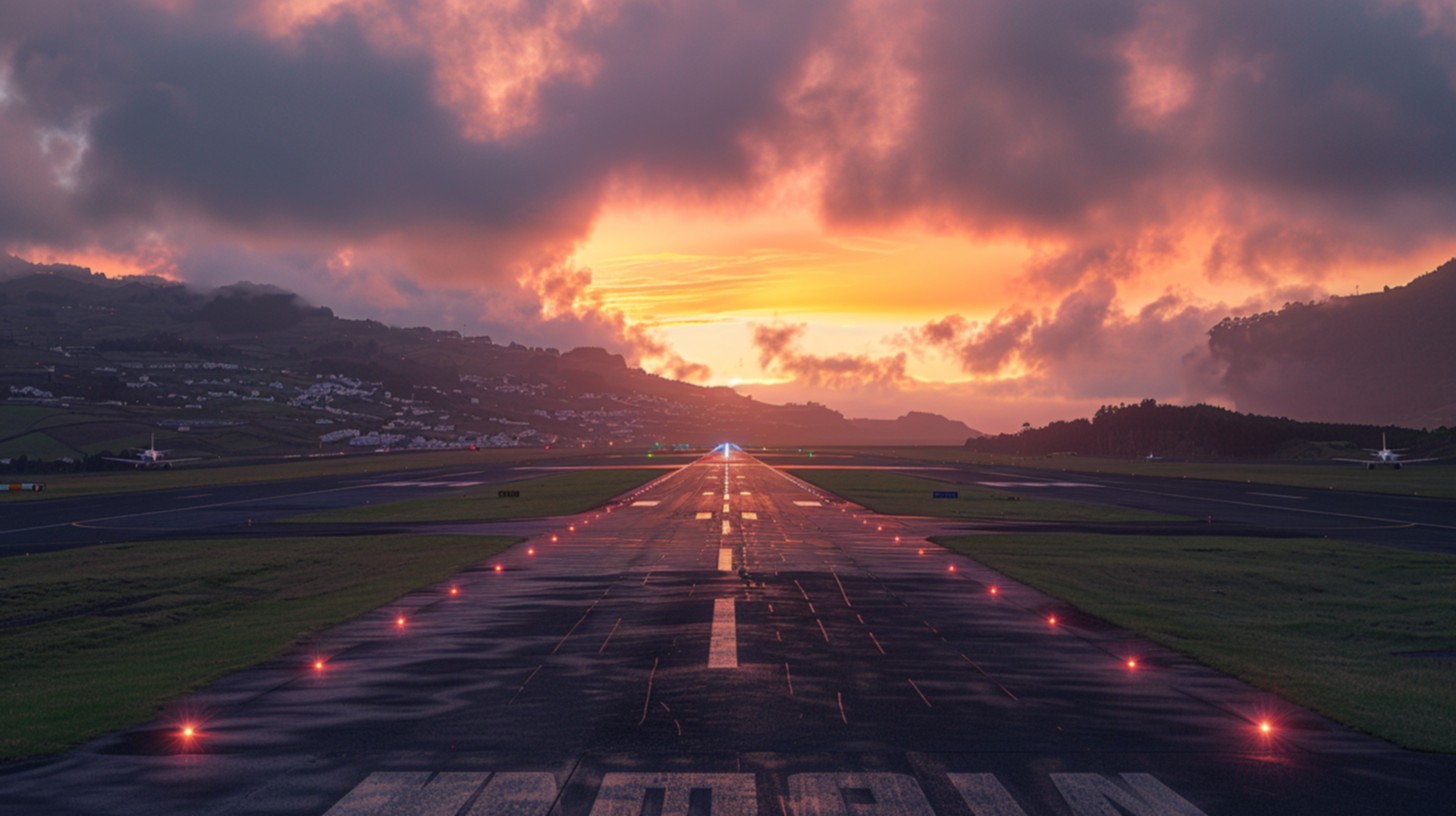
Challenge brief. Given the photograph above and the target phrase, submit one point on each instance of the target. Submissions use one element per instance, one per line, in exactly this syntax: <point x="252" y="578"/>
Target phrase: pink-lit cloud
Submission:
<point x="779" y="353"/>
<point x="459" y="152"/>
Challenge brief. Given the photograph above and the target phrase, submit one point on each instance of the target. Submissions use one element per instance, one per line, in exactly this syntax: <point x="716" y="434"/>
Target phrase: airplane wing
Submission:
<point x="1359" y="461"/>
<point x="128" y="461"/>
<point x="1416" y="461"/>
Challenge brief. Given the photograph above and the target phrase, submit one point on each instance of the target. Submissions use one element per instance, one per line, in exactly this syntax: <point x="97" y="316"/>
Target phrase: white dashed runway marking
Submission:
<point x="723" y="646"/>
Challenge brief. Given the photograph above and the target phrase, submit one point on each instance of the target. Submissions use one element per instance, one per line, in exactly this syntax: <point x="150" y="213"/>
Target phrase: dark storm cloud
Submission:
<point x="1303" y="133"/>
<point x="325" y="132"/>
<point x="1295" y="136"/>
<point x="1087" y="346"/>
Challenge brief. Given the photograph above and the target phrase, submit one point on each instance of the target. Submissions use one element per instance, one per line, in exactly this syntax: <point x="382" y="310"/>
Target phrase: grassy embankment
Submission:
<point x="1324" y="624"/>
<point x="99" y="638"/>
<point x="901" y="495"/>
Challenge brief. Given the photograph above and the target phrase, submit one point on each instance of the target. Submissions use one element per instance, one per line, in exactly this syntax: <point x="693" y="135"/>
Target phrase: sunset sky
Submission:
<point x="1003" y="210"/>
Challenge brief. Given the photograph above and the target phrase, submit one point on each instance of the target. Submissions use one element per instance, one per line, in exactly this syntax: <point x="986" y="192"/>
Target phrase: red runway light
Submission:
<point x="188" y="732"/>
<point x="921" y="552"/>
<point x="994" y="590"/>
<point x="1052" y="621"/>
<point x="950" y="568"/>
<point x="318" y="665"/>
<point x="879" y="528"/>
<point x="553" y="539"/>
<point x="498" y="568"/>
<point x="1266" y="728"/>
<point x="454" y="590"/>
<point x="1132" y="663"/>
<point x="571" y="529"/>
<point x="530" y="551"/>
<point x="897" y="539"/>
<point x="399" y="621"/>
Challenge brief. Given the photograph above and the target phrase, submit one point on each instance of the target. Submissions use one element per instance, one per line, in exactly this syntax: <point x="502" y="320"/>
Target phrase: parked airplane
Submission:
<point x="1385" y="456"/>
<point x="150" y="458"/>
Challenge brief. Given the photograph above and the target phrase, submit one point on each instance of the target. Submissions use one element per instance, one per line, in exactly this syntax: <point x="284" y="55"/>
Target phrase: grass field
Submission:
<point x="101" y="638"/>
<point x="59" y="485"/>
<point x="554" y="495"/>
<point x="1319" y="622"/>
<point x="1434" y="479"/>
<point x="902" y="495"/>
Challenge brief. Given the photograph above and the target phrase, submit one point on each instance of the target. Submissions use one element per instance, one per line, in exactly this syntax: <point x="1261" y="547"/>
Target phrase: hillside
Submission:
<point x="90" y="363"/>
<point x="1206" y="431"/>
<point x="1383" y="357"/>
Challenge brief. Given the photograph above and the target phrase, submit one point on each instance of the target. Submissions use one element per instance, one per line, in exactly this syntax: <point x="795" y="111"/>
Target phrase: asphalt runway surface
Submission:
<point x="1214" y="507"/>
<point x="628" y="668"/>
<point x="238" y="510"/>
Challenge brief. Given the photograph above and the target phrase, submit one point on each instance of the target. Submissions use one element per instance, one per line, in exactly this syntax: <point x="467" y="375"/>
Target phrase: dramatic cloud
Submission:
<point x="446" y="159"/>
<point x="779" y="353"/>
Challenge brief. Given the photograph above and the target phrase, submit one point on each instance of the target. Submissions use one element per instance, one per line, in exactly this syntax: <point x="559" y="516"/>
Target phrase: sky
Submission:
<point x="1004" y="211"/>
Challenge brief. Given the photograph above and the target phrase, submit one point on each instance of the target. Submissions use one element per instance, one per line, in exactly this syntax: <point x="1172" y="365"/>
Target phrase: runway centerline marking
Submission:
<point x="723" y="643"/>
<point x="725" y="559"/>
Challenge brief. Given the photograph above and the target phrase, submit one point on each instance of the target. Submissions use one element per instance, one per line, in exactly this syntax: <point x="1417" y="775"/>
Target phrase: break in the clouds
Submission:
<point x="443" y="161"/>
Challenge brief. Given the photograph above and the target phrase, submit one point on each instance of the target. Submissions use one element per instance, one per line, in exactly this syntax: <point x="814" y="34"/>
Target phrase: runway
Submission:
<point x="1234" y="508"/>
<point x="236" y="510"/>
<point x="730" y="640"/>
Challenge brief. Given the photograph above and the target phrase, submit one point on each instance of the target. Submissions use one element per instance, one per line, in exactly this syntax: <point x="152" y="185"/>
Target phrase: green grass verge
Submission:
<point x="901" y="495"/>
<point x="100" y="638"/>
<point x="556" y="495"/>
<point x="1436" y="479"/>
<point x="206" y="474"/>
<point x="1316" y="621"/>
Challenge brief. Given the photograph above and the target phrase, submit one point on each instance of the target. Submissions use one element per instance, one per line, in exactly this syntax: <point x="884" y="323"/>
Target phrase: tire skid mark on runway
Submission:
<point x="608" y="638"/>
<point x="647" y="703"/>
<point x="923" y="698"/>
<point x="526" y="682"/>
<point x="993" y="680"/>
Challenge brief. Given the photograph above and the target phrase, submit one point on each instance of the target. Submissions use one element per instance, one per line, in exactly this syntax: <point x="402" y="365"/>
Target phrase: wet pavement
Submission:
<point x="730" y="640"/>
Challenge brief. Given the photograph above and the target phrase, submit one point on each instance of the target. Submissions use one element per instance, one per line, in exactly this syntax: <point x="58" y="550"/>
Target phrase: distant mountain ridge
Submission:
<point x="1383" y="358"/>
<point x="143" y="353"/>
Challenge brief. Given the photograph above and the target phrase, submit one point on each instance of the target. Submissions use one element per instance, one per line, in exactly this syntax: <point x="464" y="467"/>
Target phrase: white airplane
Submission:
<point x="1152" y="457"/>
<point x="150" y="458"/>
<point x="1385" y="456"/>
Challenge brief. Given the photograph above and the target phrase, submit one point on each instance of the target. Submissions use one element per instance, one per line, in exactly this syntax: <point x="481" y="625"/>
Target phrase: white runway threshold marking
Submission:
<point x="646" y="503"/>
<point x="727" y="527"/>
<point x="723" y="645"/>
<point x="750" y="515"/>
<point x="704" y="515"/>
<point x="725" y="559"/>
<point x="808" y="504"/>
<point x="525" y="793"/>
